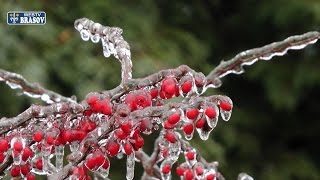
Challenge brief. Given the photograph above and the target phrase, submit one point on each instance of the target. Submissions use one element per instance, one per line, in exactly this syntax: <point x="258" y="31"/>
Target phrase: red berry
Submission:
<point x="50" y="139"/>
<point x="199" y="170"/>
<point x="165" y="153"/>
<point x="188" y="128"/>
<point x="127" y="148"/>
<point x="97" y="107"/>
<point x="4" y="145"/>
<point x="210" y="112"/>
<point x="99" y="159"/>
<point x="166" y="169"/>
<point x="31" y="177"/>
<point x="188" y="175"/>
<point x="79" y="135"/>
<point x="91" y="163"/>
<point x="2" y="157"/>
<point x="38" y="136"/>
<point x="126" y="128"/>
<point x="224" y="105"/>
<point x="18" y="146"/>
<point x="170" y="137"/>
<point x="142" y="101"/>
<point x="180" y="170"/>
<point x="168" y="87"/>
<point x="139" y="141"/>
<point x="25" y="169"/>
<point x="174" y="118"/>
<point x="186" y="86"/>
<point x="67" y="136"/>
<point x="38" y="163"/>
<point x="92" y="100"/>
<point x="145" y="124"/>
<point x="192" y="113"/>
<point x="200" y="123"/>
<point x="106" y="164"/>
<point x="190" y="155"/>
<point x="106" y="107"/>
<point x="15" y="171"/>
<point x="154" y="93"/>
<point x="177" y="92"/>
<point x="26" y="154"/>
<point x="211" y="176"/>
<point x="168" y="125"/>
<point x="120" y="134"/>
<point x="113" y="148"/>
<point x="87" y="113"/>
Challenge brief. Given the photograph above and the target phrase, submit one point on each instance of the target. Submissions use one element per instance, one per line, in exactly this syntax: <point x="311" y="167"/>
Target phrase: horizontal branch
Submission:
<point x="266" y="52"/>
<point x="37" y="111"/>
<point x="34" y="90"/>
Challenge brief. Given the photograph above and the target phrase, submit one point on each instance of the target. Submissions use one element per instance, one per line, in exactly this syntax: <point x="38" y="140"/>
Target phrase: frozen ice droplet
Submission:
<point x="85" y="34"/>
<point x="130" y="166"/>
<point x="174" y="151"/>
<point x="204" y="132"/>
<point x="95" y="38"/>
<point x="244" y="176"/>
<point x="13" y="85"/>
<point x="225" y="115"/>
<point x="212" y="122"/>
<point x="165" y="168"/>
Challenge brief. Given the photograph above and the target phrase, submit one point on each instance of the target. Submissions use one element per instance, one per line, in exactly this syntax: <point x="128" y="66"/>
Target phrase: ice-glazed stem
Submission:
<point x="112" y="42"/>
<point x="37" y="111"/>
<point x="249" y="57"/>
<point x="34" y="90"/>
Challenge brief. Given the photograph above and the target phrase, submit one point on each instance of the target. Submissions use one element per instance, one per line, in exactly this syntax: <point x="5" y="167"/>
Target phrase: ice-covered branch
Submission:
<point x="37" y="111"/>
<point x="34" y="90"/>
<point x="112" y="43"/>
<point x="249" y="57"/>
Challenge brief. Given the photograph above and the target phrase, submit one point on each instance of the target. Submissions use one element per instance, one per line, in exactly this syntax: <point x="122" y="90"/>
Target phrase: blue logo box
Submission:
<point x="26" y="18"/>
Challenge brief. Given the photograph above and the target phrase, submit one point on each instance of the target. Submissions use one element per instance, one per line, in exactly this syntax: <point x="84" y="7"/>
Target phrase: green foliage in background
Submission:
<point x="274" y="131"/>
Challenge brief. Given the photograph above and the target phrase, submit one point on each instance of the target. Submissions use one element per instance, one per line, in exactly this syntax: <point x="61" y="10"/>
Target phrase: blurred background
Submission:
<point x="275" y="129"/>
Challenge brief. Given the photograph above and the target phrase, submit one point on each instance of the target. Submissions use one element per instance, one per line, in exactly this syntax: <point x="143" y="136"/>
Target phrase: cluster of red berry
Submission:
<point x="125" y="135"/>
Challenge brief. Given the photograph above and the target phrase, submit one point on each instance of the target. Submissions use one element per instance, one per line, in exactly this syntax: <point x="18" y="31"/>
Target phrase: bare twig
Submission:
<point x="34" y="90"/>
<point x="266" y="52"/>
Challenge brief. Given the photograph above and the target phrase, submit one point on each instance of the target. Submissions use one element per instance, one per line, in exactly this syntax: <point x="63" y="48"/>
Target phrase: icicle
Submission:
<point x="225" y="115"/>
<point x="204" y="132"/>
<point x="59" y="153"/>
<point x="46" y="151"/>
<point x="130" y="166"/>
<point x="174" y="151"/>
<point x="104" y="169"/>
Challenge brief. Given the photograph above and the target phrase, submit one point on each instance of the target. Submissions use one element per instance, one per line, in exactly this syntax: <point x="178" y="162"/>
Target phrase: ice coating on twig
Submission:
<point x="249" y="57"/>
<point x="112" y="43"/>
<point x="33" y="90"/>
